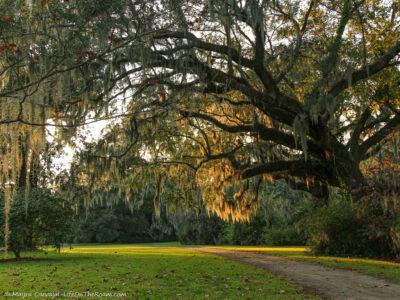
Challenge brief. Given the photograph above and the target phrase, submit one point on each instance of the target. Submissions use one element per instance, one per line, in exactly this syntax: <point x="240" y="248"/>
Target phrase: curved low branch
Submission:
<point x="296" y="168"/>
<point x="267" y="134"/>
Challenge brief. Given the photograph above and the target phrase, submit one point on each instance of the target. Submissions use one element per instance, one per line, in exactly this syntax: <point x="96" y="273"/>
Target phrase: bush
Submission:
<point x="288" y="236"/>
<point x="333" y="229"/>
<point x="192" y="228"/>
<point x="369" y="227"/>
<point x="225" y="236"/>
<point x="248" y="233"/>
<point x="42" y="218"/>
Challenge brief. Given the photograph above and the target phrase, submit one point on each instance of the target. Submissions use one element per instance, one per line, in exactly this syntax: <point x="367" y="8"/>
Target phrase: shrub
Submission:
<point x="367" y="227"/>
<point x="248" y="233"/>
<point x="288" y="236"/>
<point x="333" y="229"/>
<point x="193" y="228"/>
<point x="225" y="236"/>
<point x="42" y="218"/>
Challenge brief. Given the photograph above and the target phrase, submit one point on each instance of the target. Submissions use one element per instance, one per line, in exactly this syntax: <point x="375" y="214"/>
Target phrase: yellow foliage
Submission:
<point x="214" y="179"/>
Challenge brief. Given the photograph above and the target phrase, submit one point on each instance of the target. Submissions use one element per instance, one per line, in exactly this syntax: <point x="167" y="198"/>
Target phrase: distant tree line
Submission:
<point x="284" y="217"/>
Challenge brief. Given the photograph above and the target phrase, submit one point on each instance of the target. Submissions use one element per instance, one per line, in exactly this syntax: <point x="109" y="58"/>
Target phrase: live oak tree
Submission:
<point x="212" y="96"/>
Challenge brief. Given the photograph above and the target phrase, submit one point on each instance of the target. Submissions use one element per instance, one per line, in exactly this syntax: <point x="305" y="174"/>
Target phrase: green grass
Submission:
<point x="373" y="267"/>
<point x="142" y="272"/>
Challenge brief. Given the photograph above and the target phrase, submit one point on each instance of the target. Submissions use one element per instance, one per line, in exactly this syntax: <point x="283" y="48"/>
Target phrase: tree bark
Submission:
<point x="17" y="252"/>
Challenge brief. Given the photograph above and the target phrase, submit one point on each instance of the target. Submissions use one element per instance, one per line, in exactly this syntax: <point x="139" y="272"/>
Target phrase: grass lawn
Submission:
<point x="141" y="272"/>
<point x="378" y="268"/>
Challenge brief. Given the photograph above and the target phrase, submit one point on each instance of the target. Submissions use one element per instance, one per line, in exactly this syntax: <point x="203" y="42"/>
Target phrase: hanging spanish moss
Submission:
<point x="18" y="143"/>
<point x="225" y="195"/>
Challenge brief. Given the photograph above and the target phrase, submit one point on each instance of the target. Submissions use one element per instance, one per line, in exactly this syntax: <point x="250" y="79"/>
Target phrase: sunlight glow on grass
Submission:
<point x="132" y="250"/>
<point x="357" y="260"/>
<point x="265" y="249"/>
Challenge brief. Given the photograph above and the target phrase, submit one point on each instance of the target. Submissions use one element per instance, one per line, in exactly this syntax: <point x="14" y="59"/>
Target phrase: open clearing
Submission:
<point x="142" y="272"/>
<point x="329" y="282"/>
<point x="171" y="271"/>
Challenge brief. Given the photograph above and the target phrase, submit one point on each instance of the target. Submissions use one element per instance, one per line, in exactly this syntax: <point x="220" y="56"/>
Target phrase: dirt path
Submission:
<point x="328" y="282"/>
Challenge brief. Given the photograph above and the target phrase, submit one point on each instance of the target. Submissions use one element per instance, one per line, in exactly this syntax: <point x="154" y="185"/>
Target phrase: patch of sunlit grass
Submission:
<point x="132" y="250"/>
<point x="266" y="249"/>
<point x="356" y="260"/>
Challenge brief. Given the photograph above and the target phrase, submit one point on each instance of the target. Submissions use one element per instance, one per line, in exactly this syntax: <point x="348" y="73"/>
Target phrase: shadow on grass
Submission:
<point x="10" y="260"/>
<point x="53" y="258"/>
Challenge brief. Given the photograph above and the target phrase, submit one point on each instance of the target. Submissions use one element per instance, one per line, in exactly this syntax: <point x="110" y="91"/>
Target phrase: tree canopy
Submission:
<point x="211" y="98"/>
